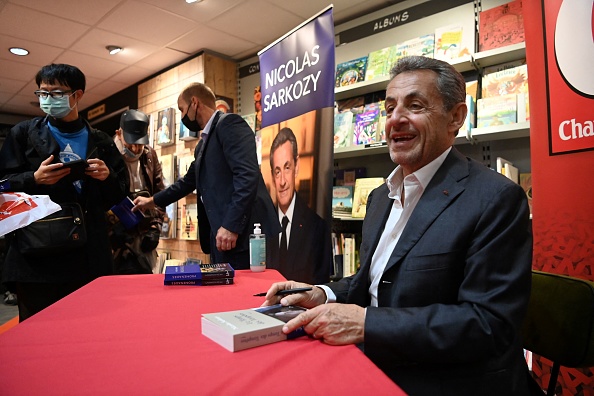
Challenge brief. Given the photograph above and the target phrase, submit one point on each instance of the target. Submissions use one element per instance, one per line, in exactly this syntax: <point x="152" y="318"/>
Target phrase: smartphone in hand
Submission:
<point x="77" y="169"/>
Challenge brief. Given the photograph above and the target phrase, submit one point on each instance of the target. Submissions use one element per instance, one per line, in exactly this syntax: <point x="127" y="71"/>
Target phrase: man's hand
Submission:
<point x="335" y="324"/>
<point x="49" y="173"/>
<point x="308" y="299"/>
<point x="143" y="203"/>
<point x="97" y="169"/>
<point x="226" y="239"/>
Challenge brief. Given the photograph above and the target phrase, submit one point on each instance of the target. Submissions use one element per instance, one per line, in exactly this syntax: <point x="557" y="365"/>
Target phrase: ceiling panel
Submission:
<point x="155" y="34"/>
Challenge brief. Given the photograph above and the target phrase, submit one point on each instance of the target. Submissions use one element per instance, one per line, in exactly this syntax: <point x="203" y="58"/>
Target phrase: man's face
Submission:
<point x="417" y="126"/>
<point x="284" y="172"/>
<point x="135" y="148"/>
<point x="190" y="109"/>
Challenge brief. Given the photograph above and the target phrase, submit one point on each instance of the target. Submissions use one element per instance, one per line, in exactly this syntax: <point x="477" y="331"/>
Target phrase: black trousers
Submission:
<point x="34" y="297"/>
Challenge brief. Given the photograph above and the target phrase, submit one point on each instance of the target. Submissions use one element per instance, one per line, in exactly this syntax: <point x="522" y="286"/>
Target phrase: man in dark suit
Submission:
<point x="446" y="256"/>
<point x="225" y="174"/>
<point x="302" y="251"/>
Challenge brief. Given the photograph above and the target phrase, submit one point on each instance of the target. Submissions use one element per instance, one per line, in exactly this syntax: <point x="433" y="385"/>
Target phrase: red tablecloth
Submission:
<point x="130" y="335"/>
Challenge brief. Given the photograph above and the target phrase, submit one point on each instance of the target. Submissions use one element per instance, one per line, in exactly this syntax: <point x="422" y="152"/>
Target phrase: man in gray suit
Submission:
<point x="446" y="256"/>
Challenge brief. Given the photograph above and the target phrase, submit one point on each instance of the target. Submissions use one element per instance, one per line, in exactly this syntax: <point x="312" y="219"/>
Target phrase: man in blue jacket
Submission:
<point x="32" y="159"/>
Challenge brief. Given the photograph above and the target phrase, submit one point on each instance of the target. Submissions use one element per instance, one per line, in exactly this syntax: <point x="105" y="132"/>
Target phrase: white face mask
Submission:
<point x="56" y="107"/>
<point x="119" y="142"/>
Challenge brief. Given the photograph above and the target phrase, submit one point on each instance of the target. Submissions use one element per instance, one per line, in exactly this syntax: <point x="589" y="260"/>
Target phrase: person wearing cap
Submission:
<point x="32" y="159"/>
<point x="135" y="249"/>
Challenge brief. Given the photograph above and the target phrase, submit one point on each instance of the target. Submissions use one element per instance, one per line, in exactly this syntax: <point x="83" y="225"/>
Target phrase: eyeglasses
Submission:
<point x="54" y="94"/>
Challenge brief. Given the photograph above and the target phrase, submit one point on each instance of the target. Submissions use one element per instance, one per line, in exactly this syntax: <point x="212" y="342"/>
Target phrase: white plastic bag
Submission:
<point x="18" y="210"/>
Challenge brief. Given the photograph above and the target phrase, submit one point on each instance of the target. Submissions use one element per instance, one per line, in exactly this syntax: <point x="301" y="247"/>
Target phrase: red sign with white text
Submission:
<point x="569" y="52"/>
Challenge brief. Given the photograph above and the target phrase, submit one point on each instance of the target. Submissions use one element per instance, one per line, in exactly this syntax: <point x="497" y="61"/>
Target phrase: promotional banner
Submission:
<point x="296" y="100"/>
<point x="297" y="72"/>
<point x="559" y="51"/>
<point x="569" y="61"/>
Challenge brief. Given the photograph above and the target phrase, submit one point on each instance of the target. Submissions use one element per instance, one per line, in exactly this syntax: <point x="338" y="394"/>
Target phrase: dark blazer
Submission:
<point x="455" y="289"/>
<point x="309" y="257"/>
<point x="227" y="178"/>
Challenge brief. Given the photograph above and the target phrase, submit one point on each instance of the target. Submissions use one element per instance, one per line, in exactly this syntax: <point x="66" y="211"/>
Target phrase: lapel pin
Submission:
<point x="446" y="192"/>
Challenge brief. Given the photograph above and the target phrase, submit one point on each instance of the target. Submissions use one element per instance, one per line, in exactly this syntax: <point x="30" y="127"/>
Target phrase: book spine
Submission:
<point x="200" y="282"/>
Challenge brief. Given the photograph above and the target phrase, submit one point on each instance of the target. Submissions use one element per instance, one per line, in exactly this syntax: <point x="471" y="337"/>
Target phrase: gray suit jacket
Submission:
<point x="456" y="287"/>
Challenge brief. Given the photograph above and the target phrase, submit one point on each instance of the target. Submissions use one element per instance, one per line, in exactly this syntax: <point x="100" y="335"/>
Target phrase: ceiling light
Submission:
<point x="113" y="49"/>
<point x="19" y="51"/>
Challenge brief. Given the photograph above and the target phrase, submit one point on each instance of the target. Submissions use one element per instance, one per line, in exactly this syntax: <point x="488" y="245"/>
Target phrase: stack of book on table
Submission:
<point x="199" y="274"/>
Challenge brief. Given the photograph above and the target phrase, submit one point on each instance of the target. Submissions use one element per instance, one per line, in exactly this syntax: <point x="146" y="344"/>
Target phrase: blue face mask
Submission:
<point x="56" y="107"/>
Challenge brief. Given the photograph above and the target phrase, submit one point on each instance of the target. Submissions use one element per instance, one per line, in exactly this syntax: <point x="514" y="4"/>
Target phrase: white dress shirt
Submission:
<point x="413" y="186"/>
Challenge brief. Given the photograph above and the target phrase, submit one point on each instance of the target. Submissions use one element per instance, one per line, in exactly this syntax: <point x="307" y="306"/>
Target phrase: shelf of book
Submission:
<point x="462" y="64"/>
<point x="500" y="55"/>
<point x="500" y="132"/>
<point x="361" y="150"/>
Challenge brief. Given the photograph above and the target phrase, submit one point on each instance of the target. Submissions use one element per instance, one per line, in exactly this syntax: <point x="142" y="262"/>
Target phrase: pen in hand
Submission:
<point x="286" y="291"/>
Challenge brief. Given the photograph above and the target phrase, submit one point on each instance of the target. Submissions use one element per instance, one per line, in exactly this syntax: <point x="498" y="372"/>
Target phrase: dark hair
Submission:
<point x="284" y="135"/>
<point x="202" y="92"/>
<point x="450" y="83"/>
<point x="62" y="74"/>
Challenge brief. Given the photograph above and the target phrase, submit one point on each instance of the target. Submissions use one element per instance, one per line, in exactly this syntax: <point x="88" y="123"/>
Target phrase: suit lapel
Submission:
<point x="201" y="150"/>
<point x="439" y="194"/>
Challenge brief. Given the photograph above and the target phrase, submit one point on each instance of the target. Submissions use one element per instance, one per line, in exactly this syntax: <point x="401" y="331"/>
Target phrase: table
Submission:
<point x="131" y="335"/>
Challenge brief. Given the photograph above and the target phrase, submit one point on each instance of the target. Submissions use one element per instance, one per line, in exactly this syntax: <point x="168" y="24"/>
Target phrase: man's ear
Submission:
<point x="458" y="114"/>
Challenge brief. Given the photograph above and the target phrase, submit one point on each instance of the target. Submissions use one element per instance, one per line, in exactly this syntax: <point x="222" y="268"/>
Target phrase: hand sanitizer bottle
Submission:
<point x="257" y="249"/>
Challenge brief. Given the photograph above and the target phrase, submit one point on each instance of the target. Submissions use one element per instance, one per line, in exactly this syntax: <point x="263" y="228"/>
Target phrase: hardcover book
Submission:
<point x="342" y="201"/>
<point x="448" y="43"/>
<point x="249" y="328"/>
<point x="200" y="282"/>
<point x="366" y="123"/>
<point x="506" y="79"/>
<point x="123" y="211"/>
<point x="199" y="272"/>
<point x="422" y="46"/>
<point x="501" y="26"/>
<point x="343" y="124"/>
<point x="498" y="110"/>
<point x="378" y="64"/>
<point x="189" y="219"/>
<point x="351" y="72"/>
<point x="363" y="187"/>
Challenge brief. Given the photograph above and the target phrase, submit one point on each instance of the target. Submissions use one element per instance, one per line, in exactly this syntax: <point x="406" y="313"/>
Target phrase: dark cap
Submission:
<point x="135" y="125"/>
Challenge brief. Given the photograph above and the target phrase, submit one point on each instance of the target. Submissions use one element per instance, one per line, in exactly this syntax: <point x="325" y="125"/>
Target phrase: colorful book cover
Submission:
<point x="351" y="72"/>
<point x="448" y="43"/>
<point x="363" y="186"/>
<point x="366" y="123"/>
<point x="200" y="282"/>
<point x="123" y="212"/>
<point x="343" y="128"/>
<point x="199" y="271"/>
<point x="501" y="26"/>
<point x="470" y="120"/>
<point x="472" y="89"/>
<point x="381" y="125"/>
<point x="378" y="64"/>
<point x="249" y="328"/>
<point x="497" y="110"/>
<point x="422" y="46"/>
<point x="506" y="80"/>
<point x="342" y="201"/>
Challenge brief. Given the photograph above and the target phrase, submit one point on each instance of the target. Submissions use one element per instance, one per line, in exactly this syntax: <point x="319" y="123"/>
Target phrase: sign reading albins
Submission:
<point x="569" y="52"/>
<point x="297" y="71"/>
